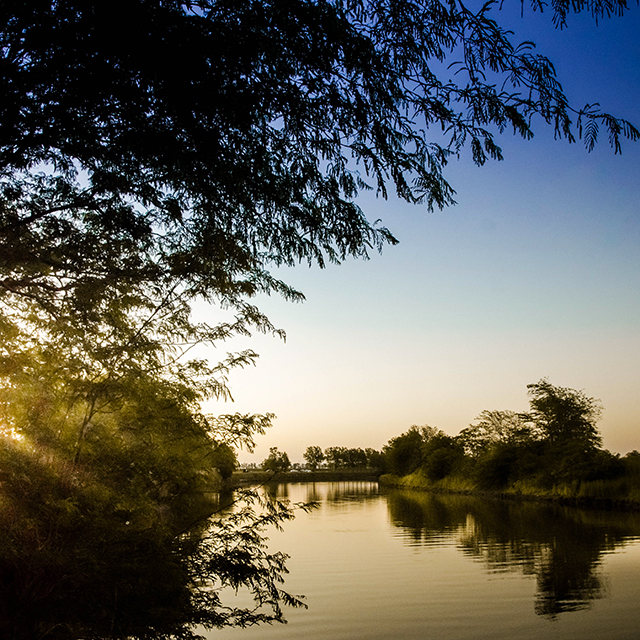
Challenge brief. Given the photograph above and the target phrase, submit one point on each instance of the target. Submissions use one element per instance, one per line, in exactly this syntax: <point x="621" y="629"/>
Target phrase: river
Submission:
<point x="380" y="564"/>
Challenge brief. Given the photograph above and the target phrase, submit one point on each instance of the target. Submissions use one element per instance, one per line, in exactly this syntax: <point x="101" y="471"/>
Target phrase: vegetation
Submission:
<point x="336" y="458"/>
<point x="277" y="461"/>
<point x="128" y="542"/>
<point x="157" y="154"/>
<point x="553" y="450"/>
<point x="313" y="457"/>
<point x="343" y="457"/>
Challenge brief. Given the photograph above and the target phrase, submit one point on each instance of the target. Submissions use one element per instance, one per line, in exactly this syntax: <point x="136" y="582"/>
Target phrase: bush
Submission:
<point x="441" y="455"/>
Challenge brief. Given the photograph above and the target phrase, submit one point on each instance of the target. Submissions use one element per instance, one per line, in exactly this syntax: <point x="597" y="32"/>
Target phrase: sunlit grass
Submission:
<point x="623" y="491"/>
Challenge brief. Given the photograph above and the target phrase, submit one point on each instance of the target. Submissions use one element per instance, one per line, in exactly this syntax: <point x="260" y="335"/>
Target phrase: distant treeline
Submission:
<point x="554" y="449"/>
<point x="334" y="458"/>
<point x="343" y="458"/>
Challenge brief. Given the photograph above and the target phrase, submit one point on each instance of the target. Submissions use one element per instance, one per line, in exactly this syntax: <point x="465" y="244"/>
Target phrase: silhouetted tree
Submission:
<point x="565" y="415"/>
<point x="493" y="427"/>
<point x="566" y="419"/>
<point x="276" y="461"/>
<point x="403" y="454"/>
<point x="355" y="458"/>
<point x="179" y="153"/>
<point x="336" y="457"/>
<point x="313" y="457"/>
<point x="631" y="463"/>
<point x="224" y="459"/>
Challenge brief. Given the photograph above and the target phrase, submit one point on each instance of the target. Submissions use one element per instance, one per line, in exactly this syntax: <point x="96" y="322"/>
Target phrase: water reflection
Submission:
<point x="331" y="494"/>
<point x="92" y="579"/>
<point x="562" y="547"/>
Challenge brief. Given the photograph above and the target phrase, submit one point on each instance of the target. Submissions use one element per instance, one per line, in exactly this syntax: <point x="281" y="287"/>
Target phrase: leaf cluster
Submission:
<point x="277" y="461"/>
<point x="154" y="154"/>
<point x="184" y="150"/>
<point x="556" y="442"/>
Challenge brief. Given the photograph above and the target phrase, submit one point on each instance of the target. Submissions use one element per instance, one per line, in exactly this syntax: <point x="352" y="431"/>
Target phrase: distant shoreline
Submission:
<point x="258" y="477"/>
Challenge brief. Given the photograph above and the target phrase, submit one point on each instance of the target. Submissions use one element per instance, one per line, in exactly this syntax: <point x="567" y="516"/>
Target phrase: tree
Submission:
<point x="153" y="154"/>
<point x="123" y="539"/>
<point x="567" y="420"/>
<point x="496" y="427"/>
<point x="212" y="139"/>
<point x="276" y="461"/>
<point x="224" y="459"/>
<point x="441" y="454"/>
<point x="336" y="457"/>
<point x="345" y="457"/>
<point x="565" y="416"/>
<point x="355" y="457"/>
<point x="375" y="459"/>
<point x="313" y="457"/>
<point x="403" y="454"/>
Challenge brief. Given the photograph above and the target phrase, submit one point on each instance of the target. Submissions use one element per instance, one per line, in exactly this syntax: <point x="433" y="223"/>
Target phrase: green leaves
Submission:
<point x="235" y="136"/>
<point x="155" y="154"/>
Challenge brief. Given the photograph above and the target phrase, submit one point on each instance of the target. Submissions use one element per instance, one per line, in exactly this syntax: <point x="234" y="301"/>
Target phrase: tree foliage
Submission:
<point x="128" y="541"/>
<point x="565" y="415"/>
<point x="314" y="457"/>
<point x="496" y="427"/>
<point x="403" y="454"/>
<point x="375" y="459"/>
<point x="347" y="457"/>
<point x="441" y="455"/>
<point x="154" y="154"/>
<point x="276" y="461"/>
<point x="181" y="152"/>
<point x="556" y="443"/>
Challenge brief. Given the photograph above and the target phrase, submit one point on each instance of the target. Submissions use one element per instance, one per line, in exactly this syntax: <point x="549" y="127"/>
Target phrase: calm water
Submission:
<point x="378" y="565"/>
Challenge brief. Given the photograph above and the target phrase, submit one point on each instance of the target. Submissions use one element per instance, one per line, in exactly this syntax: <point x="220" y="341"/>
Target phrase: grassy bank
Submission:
<point x="253" y="478"/>
<point x="608" y="494"/>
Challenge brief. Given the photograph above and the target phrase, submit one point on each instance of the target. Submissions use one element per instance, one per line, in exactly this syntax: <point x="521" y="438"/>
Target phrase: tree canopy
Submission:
<point x="154" y="153"/>
<point x="313" y="456"/>
<point x="494" y="427"/>
<point x="556" y="446"/>
<point x="186" y="146"/>
<point x="181" y="152"/>
<point x="276" y="461"/>
<point x="565" y="415"/>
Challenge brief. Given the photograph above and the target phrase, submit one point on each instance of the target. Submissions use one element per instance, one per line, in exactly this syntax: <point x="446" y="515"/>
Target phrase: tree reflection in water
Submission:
<point x="331" y="494"/>
<point x="561" y="546"/>
<point x="92" y="580"/>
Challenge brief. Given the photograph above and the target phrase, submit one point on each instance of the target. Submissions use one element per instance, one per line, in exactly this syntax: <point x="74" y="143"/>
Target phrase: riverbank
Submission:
<point x="591" y="495"/>
<point x="258" y="477"/>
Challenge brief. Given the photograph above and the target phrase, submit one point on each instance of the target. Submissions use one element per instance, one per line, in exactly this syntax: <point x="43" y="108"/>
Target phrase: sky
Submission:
<point x="534" y="273"/>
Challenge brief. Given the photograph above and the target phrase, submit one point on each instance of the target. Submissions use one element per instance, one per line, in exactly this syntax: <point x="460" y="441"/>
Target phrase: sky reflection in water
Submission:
<point x="415" y="565"/>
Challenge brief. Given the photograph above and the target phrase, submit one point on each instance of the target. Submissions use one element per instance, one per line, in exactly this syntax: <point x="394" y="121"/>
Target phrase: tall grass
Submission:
<point x="617" y="492"/>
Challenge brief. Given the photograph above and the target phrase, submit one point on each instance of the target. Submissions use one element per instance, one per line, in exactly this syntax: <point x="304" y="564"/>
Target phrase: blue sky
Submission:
<point x="534" y="273"/>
